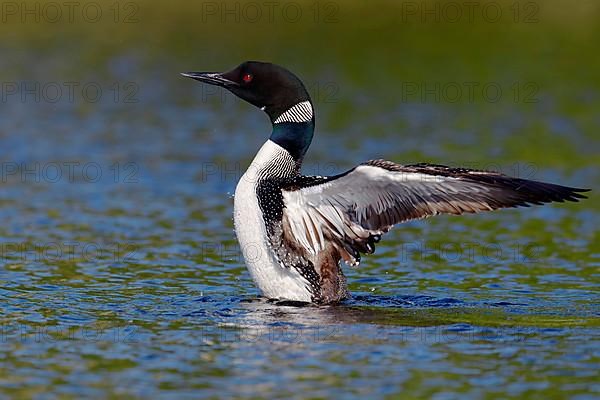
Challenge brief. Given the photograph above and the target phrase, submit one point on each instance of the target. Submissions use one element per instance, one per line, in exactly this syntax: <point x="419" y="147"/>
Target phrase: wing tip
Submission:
<point x="574" y="194"/>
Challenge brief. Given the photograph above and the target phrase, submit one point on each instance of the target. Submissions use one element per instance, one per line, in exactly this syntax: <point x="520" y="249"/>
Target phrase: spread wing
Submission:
<point x="352" y="210"/>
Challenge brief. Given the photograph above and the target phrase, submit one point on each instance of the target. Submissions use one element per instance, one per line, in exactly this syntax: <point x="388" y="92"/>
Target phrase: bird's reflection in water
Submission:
<point x="370" y="318"/>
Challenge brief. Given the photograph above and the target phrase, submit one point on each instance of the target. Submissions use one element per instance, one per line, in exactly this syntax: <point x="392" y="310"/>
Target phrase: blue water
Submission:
<point x="121" y="275"/>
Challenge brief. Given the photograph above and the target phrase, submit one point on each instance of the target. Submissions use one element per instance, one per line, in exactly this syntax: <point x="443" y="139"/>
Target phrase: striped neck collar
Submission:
<point x="293" y="130"/>
<point x="301" y="112"/>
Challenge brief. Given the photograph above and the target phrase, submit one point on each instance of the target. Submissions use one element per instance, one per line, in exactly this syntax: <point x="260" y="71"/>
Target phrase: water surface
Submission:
<point x="120" y="271"/>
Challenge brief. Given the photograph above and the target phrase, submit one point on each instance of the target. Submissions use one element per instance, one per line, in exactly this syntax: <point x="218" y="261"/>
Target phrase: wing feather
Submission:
<point x="353" y="209"/>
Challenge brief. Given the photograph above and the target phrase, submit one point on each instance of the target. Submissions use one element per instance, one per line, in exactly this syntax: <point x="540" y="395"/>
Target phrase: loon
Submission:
<point x="295" y="230"/>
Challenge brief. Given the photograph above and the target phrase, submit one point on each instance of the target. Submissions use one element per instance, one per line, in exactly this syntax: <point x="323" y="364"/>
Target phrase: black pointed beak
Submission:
<point x="212" y="78"/>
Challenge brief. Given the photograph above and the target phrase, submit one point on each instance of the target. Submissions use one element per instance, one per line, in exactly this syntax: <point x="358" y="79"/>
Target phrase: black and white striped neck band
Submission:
<point x="301" y="112"/>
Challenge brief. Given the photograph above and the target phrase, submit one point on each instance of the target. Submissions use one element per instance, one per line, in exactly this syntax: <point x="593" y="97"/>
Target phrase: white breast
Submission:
<point x="273" y="280"/>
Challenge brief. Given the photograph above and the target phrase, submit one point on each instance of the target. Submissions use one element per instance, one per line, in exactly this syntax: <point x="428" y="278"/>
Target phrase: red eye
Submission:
<point x="247" y="78"/>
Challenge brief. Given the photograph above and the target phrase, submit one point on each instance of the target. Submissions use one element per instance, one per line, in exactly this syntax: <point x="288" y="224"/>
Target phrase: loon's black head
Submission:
<point x="268" y="86"/>
<point x="276" y="91"/>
